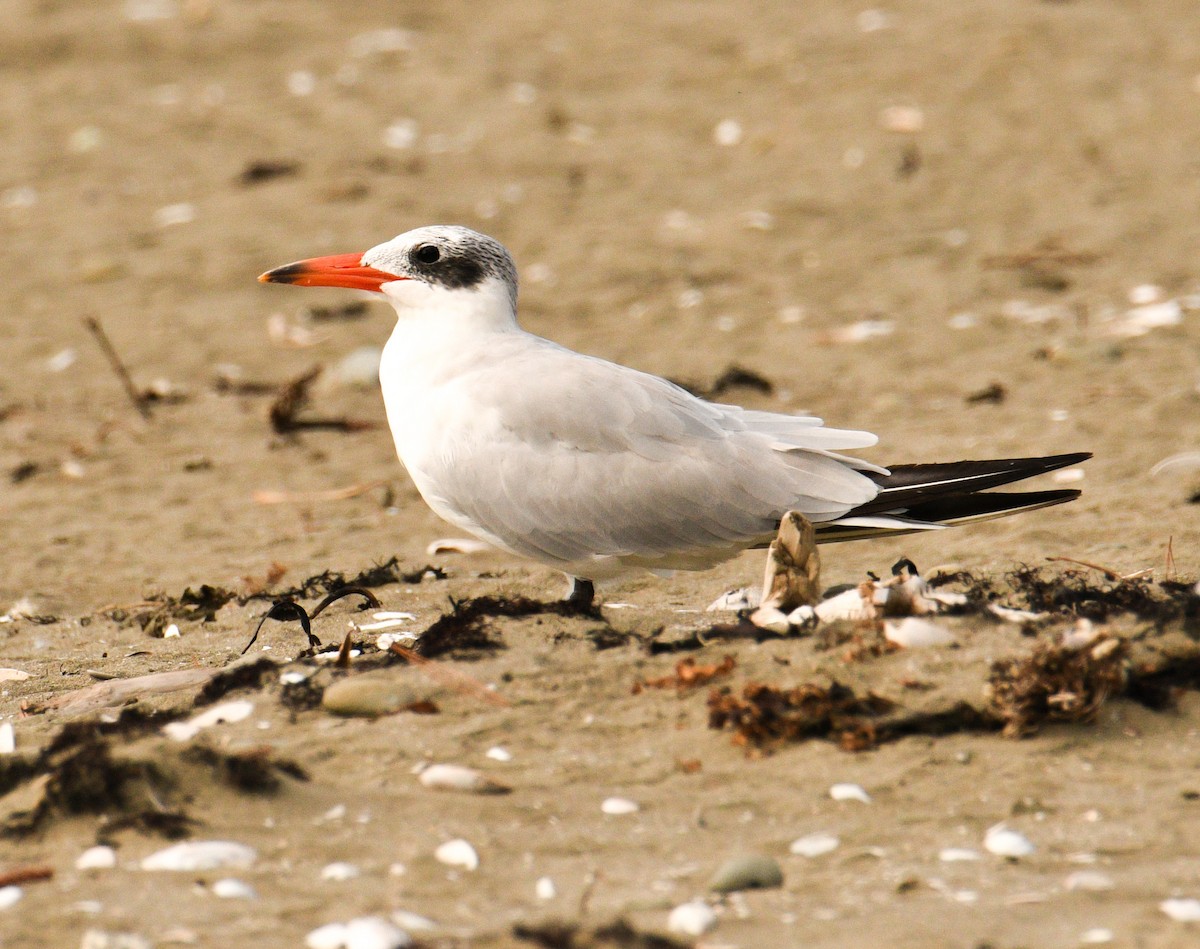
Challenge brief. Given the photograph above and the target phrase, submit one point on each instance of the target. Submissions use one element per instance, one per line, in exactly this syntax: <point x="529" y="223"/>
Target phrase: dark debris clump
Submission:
<point x="555" y="934"/>
<point x="465" y="629"/>
<point x="1076" y="593"/>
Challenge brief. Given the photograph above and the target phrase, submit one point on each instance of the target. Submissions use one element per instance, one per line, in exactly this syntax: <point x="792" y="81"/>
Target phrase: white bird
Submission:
<point x="597" y="469"/>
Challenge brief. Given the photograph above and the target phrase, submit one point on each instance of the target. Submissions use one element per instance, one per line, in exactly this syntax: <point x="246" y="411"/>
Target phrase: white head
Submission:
<point x="441" y="267"/>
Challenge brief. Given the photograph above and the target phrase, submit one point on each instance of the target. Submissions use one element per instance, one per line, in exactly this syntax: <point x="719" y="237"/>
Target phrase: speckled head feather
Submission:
<point x="446" y="255"/>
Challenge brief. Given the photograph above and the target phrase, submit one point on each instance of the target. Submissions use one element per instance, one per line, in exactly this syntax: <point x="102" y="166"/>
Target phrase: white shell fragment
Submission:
<point x="958" y="854"/>
<point x="454" y="777"/>
<point x="340" y="871"/>
<point x="13" y="675"/>
<point x="10" y="896"/>
<point x="195" y="855"/>
<point x="8" y="738"/>
<point x="815" y="845"/>
<point x="365" y="932"/>
<point x="1182" y="910"/>
<point x="226" y="712"/>
<point x="409" y="921"/>
<point x="499" y="753"/>
<point x="231" y="889"/>
<point x="1005" y="842"/>
<point x="545" y="889"/>
<point x="849" y="792"/>
<point x="1090" y="881"/>
<point x="734" y="600"/>
<point x="1096" y="936"/>
<point x="902" y="118"/>
<point x="619" y="805"/>
<point x="692" y="919"/>
<point x="728" y="132"/>
<point x="457" y="853"/>
<point x="1010" y="615"/>
<point x="915" y="633"/>
<point x="96" y="858"/>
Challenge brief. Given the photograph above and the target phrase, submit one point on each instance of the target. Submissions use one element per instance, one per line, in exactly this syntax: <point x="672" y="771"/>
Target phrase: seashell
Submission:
<point x="231" y="889"/>
<point x="914" y="633"/>
<point x="1010" y="615"/>
<point x="195" y="855"/>
<point x="815" y="845"/>
<point x="10" y="896"/>
<point x="619" y="806"/>
<point x="545" y="889"/>
<point x="456" y="545"/>
<point x="728" y="132"/>
<point x="958" y="854"/>
<point x="454" y="777"/>
<point x="848" y="604"/>
<point x="365" y="932"/>
<point x="1096" y="936"/>
<point x="225" y="712"/>
<point x="8" y="738"/>
<point x="457" y="853"/>
<point x="771" y="619"/>
<point x="499" y="753"/>
<point x="413" y="921"/>
<point x="1005" y="842"/>
<point x="172" y="214"/>
<point x="96" y="858"/>
<point x="750" y="872"/>
<point x="1182" y="910"/>
<point x="691" y="919"/>
<point x="849" y="792"/>
<point x="340" y="871"/>
<point x="1188" y="460"/>
<point x="733" y="600"/>
<point x="171" y="632"/>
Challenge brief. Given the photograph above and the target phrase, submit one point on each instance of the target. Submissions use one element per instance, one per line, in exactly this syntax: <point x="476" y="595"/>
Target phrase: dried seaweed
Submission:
<point x="688" y="676"/>
<point x="465" y="629"/>
<point x="556" y="934"/>
<point x="1074" y="592"/>
<point x="378" y="575"/>
<point x="256" y="771"/>
<point x="245" y="675"/>
<point x="1056" y="682"/>
<point x="200" y="605"/>
<point x="765" y="716"/>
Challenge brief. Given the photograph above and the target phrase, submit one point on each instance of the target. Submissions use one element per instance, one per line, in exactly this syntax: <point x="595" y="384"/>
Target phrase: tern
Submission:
<point x="597" y="469"/>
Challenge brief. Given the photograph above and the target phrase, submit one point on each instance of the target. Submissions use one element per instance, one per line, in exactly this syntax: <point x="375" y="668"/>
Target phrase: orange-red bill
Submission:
<point x="338" y="270"/>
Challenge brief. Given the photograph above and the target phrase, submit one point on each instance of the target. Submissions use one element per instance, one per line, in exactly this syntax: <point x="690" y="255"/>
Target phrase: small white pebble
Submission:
<point x="849" y="792"/>
<point x="340" y="871"/>
<point x="963" y="321"/>
<point x="196" y="855"/>
<point x="86" y="138"/>
<point x="1059" y="415"/>
<point x="499" y="753"/>
<point x="1096" y="937"/>
<point x="171" y="214"/>
<point x="902" y="118"/>
<point x="231" y="889"/>
<point x="815" y="845"/>
<point x="293" y="677"/>
<point x="90" y="907"/>
<point x="1068" y="476"/>
<point x="1181" y="910"/>
<point x="692" y="919"/>
<point x="1145" y="293"/>
<point x="1005" y="842"/>
<point x="728" y="132"/>
<point x="457" y="853"/>
<point x="301" y="82"/>
<point x="10" y="896"/>
<point x="790" y="315"/>
<point x="96" y="858"/>
<point x="171" y="632"/>
<point x="62" y="360"/>
<point x="401" y="134"/>
<point x="619" y="805"/>
<point x="8" y="738"/>
<point x="545" y="889"/>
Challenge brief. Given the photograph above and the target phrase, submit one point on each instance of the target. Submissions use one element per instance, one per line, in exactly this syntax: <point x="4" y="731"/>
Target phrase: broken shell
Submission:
<point x="848" y="604"/>
<point x="410" y="921"/>
<point x="456" y="545"/>
<point x="365" y="932"/>
<point x="1097" y="936"/>
<point x="545" y="889"/>
<point x="692" y="919"/>
<point x="849" y="792"/>
<point x="499" y="754"/>
<point x="902" y="118"/>
<point x="226" y="712"/>
<point x="10" y="896"/>
<point x="771" y="619"/>
<point x="1182" y="910"/>
<point x="8" y="739"/>
<point x="340" y="871"/>
<point x="194" y="855"/>
<point x="96" y="858"/>
<point x="751" y="872"/>
<point x="1010" y="615"/>
<point x="914" y="633"/>
<point x="619" y="805"/>
<point x="958" y="854"/>
<point x="1092" y="881"/>
<point x="815" y="845"/>
<point x="1004" y="842"/>
<point x="457" y="853"/>
<point x="454" y="777"/>
<point x="231" y="889"/>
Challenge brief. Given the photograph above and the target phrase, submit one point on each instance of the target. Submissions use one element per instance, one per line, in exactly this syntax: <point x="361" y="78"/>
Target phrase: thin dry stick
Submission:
<point x="1108" y="572"/>
<point x="114" y="360"/>
<point x="459" y="681"/>
<point x="1170" y="568"/>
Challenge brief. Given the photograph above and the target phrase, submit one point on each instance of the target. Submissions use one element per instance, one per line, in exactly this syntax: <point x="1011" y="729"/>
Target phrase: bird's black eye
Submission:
<point x="427" y="254"/>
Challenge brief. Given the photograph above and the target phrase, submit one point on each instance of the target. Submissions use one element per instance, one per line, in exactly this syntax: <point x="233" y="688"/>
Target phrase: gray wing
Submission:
<point x="574" y="459"/>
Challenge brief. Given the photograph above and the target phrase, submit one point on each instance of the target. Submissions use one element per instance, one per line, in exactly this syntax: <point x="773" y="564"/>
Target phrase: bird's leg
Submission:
<point x="580" y="593"/>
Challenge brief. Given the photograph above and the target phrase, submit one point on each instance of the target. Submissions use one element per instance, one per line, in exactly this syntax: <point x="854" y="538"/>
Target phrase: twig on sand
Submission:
<point x="138" y="398"/>
<point x="1107" y="571"/>
<point x="30" y="873"/>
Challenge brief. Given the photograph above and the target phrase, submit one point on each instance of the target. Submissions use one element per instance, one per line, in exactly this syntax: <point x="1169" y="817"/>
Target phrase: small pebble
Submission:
<point x="10" y="896"/>
<point x="194" y="855"/>
<point x="96" y="858"/>
<point x="958" y="854"/>
<point x="454" y="777"/>
<point x="1004" y="842"/>
<point x="815" y="845"/>
<point x="545" y="889"/>
<point x="751" y="872"/>
<point x="1096" y="937"/>
<point x="692" y="919"/>
<point x="99" y="939"/>
<point x="173" y="214"/>
<point x="365" y="932"/>
<point x="8" y="738"/>
<point x="457" y="853"/>
<point x="499" y="753"/>
<point x="339" y="871"/>
<point x="728" y="132"/>
<point x="849" y="792"/>
<point x="1182" y="910"/>
<point x="619" y="805"/>
<point x="902" y="118"/>
<point x="912" y="632"/>
<point x="231" y="889"/>
<point x="225" y="712"/>
<point x="369" y="696"/>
